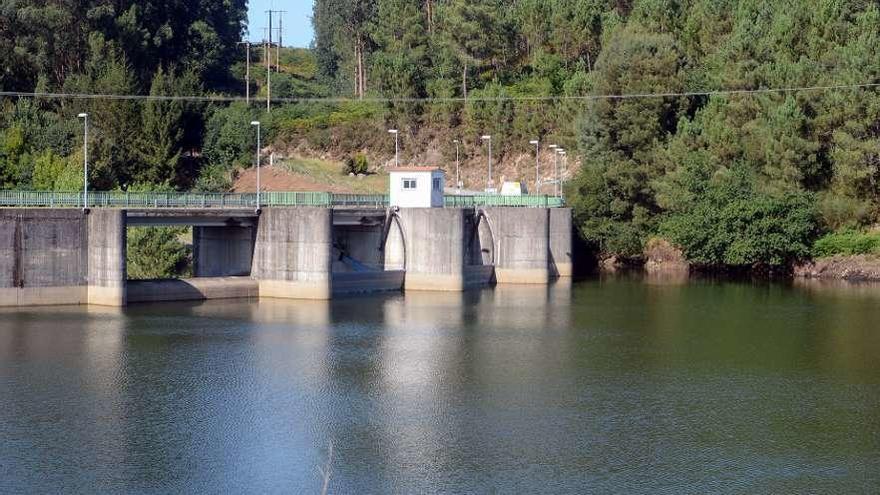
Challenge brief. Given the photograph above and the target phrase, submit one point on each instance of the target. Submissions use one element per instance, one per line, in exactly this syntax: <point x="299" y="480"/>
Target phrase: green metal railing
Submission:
<point x="119" y="199"/>
<point x="498" y="200"/>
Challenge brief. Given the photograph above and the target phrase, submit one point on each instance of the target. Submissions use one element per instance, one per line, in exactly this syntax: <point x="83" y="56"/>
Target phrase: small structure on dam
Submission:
<point x="416" y="187"/>
<point x="57" y="256"/>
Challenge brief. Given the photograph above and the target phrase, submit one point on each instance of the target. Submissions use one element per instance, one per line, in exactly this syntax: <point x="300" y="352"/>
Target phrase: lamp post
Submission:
<point x="488" y="138"/>
<point x="256" y="124"/>
<point x="396" y="134"/>
<point x="537" y="144"/>
<point x="554" y="148"/>
<point x="563" y="173"/>
<point x="457" y="166"/>
<point x="559" y="152"/>
<point x="85" y="118"/>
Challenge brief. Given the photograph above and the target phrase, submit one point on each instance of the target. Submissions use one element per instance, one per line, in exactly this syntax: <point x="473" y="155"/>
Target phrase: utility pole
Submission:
<point x="247" y="74"/>
<point x="268" y="56"/>
<point x="280" y="35"/>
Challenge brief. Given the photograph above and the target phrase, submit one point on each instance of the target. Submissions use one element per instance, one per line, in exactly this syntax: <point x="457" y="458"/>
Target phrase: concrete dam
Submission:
<point x="65" y="256"/>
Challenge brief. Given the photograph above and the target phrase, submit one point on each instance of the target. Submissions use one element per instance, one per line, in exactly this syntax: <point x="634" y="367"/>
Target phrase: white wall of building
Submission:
<point x="415" y="188"/>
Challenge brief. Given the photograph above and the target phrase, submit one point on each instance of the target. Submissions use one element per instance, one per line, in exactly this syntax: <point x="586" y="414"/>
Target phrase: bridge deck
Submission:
<point x="174" y="200"/>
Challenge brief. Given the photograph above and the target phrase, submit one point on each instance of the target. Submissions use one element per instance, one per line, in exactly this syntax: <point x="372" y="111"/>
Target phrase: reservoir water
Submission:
<point x="605" y="386"/>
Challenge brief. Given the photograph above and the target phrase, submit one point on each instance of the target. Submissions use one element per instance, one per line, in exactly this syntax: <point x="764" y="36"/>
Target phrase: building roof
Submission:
<point x="414" y="169"/>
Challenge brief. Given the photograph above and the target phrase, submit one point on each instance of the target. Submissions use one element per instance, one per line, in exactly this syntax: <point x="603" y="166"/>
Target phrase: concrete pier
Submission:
<point x="560" y="243"/>
<point x="106" y="258"/>
<point x="522" y="244"/>
<point x="292" y="254"/>
<point x="435" y="248"/>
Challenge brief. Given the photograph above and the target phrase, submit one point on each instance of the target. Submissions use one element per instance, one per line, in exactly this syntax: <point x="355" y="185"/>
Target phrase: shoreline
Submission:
<point x="855" y="268"/>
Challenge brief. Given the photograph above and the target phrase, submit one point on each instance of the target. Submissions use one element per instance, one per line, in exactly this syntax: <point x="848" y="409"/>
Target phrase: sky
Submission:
<point x="297" y="20"/>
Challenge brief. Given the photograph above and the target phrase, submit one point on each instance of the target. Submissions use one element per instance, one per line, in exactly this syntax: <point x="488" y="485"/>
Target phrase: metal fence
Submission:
<point x="120" y="199"/>
<point x="529" y="201"/>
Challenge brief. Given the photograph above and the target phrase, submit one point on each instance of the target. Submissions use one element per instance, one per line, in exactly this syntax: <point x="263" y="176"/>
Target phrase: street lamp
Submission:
<point x="396" y="146"/>
<point x="489" y="139"/>
<point x="85" y="118"/>
<point x="457" y="166"/>
<point x="256" y="124"/>
<point x="554" y="148"/>
<point x="564" y="171"/>
<point x="537" y="144"/>
<point x="559" y="152"/>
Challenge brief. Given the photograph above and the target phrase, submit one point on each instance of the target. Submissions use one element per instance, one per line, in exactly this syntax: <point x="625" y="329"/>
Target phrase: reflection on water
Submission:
<point x="613" y="385"/>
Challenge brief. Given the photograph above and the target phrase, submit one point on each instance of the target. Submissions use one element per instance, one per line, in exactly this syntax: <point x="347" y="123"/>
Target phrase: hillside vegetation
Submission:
<point x="734" y="179"/>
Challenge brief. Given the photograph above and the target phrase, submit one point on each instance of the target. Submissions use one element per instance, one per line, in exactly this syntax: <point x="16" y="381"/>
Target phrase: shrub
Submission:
<point x="157" y="253"/>
<point x="734" y="224"/>
<point x="357" y="164"/>
<point x="847" y="243"/>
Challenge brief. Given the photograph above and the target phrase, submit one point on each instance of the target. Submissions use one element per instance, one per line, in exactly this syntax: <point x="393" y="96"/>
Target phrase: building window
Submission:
<point x="409" y="184"/>
<point x="436" y="184"/>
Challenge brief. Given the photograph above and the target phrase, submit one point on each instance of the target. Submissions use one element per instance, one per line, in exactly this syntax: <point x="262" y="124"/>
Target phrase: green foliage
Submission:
<point x="48" y="168"/>
<point x="731" y="222"/>
<point x="230" y="140"/>
<point x="12" y="157"/>
<point x="161" y="137"/>
<point x="70" y="179"/>
<point x="114" y="48"/>
<point x="357" y="164"/>
<point x="44" y="40"/>
<point x="847" y="243"/>
<point x="157" y="253"/>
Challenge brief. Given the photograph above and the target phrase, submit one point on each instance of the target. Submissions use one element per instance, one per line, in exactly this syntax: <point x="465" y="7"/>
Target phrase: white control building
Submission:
<point x="417" y="187"/>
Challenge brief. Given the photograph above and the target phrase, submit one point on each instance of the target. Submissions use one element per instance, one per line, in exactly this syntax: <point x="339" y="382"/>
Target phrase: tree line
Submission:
<point x="154" y="47"/>
<point x="733" y="179"/>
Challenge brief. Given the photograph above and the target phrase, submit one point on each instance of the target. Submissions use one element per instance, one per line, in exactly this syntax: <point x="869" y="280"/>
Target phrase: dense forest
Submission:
<point x="734" y="179"/>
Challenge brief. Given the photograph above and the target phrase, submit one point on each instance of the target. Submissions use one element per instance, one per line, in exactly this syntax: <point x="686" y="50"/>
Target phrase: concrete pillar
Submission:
<point x="522" y="244"/>
<point x="292" y="253"/>
<point x="107" y="257"/>
<point x="435" y="248"/>
<point x="560" y="243"/>
<point x="395" y="248"/>
<point x="43" y="257"/>
<point x="222" y="251"/>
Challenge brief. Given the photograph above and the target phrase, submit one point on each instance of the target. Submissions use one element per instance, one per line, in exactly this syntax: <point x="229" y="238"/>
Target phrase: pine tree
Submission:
<point x="161" y="136"/>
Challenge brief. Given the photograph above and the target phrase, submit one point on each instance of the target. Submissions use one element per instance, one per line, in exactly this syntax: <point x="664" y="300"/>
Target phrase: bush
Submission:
<point x="733" y="224"/>
<point x="357" y="164"/>
<point x="48" y="167"/>
<point x="847" y="243"/>
<point x="157" y="253"/>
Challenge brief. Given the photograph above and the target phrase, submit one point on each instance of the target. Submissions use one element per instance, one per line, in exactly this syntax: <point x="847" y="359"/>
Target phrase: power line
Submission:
<point x="488" y="99"/>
